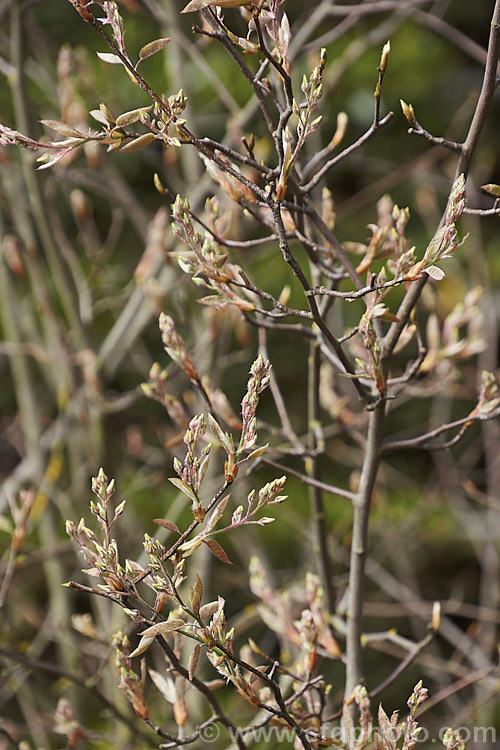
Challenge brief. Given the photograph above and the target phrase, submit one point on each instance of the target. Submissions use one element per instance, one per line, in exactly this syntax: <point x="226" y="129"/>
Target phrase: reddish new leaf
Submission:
<point x="217" y="550"/>
<point x="166" y="524"/>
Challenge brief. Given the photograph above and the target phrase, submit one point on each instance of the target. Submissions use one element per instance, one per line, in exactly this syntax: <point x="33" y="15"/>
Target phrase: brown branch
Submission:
<point x="204" y="690"/>
<point x="417" y="129"/>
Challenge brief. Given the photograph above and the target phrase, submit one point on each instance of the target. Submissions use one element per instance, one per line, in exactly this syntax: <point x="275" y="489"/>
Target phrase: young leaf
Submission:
<point x="109" y="58"/>
<point x="224" y="439"/>
<point x="166" y="524"/>
<point x="143" y="646"/>
<point x="127" y="118"/>
<point x="195" y="594"/>
<point x="152" y="47"/>
<point x="99" y="116"/>
<point x="193" y="660"/>
<point x="159" y="628"/>
<point x="137" y="143"/>
<point x="492" y="189"/>
<point x="165" y="685"/>
<point x="208" y="610"/>
<point x="63" y="128"/>
<point x="217" y="550"/>
<point x="185" y="488"/>
<point x="436" y="273"/>
<point x="258" y="452"/>
<point x="387" y="730"/>
<point x="199" y="4"/>
<point x="217" y="513"/>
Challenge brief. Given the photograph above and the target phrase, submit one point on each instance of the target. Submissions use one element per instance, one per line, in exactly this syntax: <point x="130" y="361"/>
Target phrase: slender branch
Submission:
<point x="403" y="665"/>
<point x="336" y="247"/>
<point x="236" y="156"/>
<point x="274" y="326"/>
<point x="185" y="534"/>
<point x="374" y="128"/>
<point x="351" y="296"/>
<point x="377" y="6"/>
<point x="328" y="335"/>
<point x="323" y="486"/>
<point x="313" y="469"/>
<point x="354" y="659"/>
<point x="463" y="165"/>
<point x="482" y="211"/>
<point x="203" y="689"/>
<point x="423" y="440"/>
<point x="444" y="694"/>
<point x="417" y="129"/>
<point x="183" y="130"/>
<point x="282" y="710"/>
<point x="260" y="91"/>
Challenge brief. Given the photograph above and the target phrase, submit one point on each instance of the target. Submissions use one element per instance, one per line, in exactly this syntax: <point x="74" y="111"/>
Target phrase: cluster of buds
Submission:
<point x="306" y="123"/>
<point x="101" y="552"/>
<point x="176" y="348"/>
<point x="169" y="113"/>
<point x="360" y="696"/>
<point x="445" y="241"/>
<point x="319" y="611"/>
<point x="20" y="515"/>
<point x="128" y="681"/>
<point x="216" y="634"/>
<point x="308" y="639"/>
<point x="192" y="470"/>
<point x="312" y="88"/>
<point x="411" y="729"/>
<point x="206" y="263"/>
<point x="155" y="389"/>
<point x="260" y="376"/>
<point x="278" y="31"/>
<point x="66" y="723"/>
<point x="113" y="18"/>
<point x="372" y="367"/>
<point x="488" y="404"/>
<point x="452" y="740"/>
<point x="9" y="137"/>
<point x="267" y="495"/>
<point x="54" y="150"/>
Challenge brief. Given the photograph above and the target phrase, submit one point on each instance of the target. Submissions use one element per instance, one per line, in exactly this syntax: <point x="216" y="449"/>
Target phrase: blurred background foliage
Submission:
<point x="86" y="267"/>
